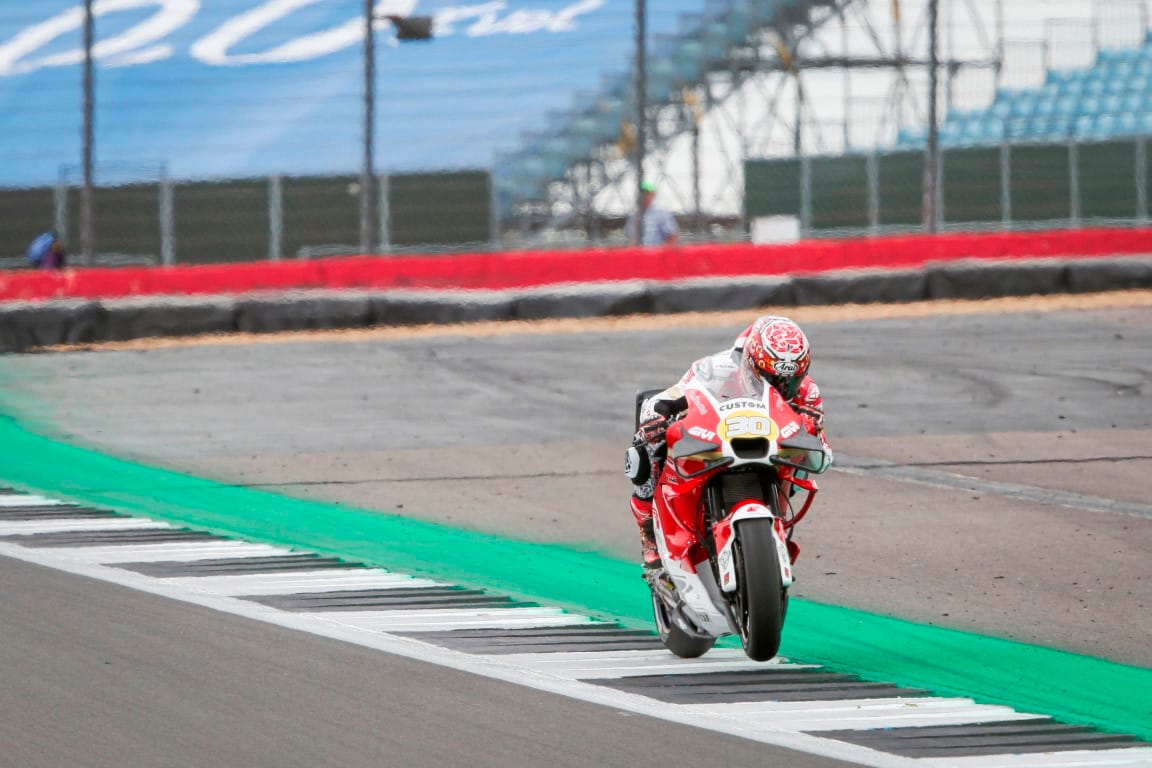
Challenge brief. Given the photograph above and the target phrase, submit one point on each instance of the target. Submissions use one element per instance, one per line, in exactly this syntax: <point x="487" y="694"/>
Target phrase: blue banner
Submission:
<point x="225" y="89"/>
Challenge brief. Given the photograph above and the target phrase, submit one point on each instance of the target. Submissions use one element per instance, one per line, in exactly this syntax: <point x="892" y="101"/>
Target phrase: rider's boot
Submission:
<point x="642" y="511"/>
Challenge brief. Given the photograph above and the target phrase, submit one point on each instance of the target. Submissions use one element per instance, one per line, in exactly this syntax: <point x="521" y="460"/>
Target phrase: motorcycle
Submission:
<point x="724" y="517"/>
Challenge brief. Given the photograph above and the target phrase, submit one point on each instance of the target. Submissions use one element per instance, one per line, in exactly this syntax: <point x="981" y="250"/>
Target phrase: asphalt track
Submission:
<point x="962" y="437"/>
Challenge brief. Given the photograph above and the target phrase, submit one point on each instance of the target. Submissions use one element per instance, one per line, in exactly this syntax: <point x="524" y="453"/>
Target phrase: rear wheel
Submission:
<point x="760" y="598"/>
<point x="675" y="639"/>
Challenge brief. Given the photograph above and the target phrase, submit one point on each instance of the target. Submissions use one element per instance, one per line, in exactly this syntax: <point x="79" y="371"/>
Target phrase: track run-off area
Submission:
<point x="976" y="563"/>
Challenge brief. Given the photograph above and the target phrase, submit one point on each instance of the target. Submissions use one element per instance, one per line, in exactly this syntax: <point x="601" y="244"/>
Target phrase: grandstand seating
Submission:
<point x="704" y="42"/>
<point x="1111" y="99"/>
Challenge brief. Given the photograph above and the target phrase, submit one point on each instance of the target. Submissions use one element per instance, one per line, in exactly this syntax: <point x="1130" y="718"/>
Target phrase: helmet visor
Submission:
<point x="787" y="386"/>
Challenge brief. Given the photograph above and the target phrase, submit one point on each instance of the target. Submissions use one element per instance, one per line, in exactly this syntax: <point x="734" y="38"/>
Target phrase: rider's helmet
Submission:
<point x="776" y="351"/>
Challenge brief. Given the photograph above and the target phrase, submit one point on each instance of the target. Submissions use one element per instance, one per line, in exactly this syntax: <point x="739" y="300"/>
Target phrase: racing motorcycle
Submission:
<point x="723" y="517"/>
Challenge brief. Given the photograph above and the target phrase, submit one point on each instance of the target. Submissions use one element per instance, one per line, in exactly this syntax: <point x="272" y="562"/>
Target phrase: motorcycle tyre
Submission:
<point x="761" y="599"/>
<point x="676" y="640"/>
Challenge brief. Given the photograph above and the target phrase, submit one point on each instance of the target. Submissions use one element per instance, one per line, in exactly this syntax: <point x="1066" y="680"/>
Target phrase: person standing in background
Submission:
<point x="47" y="252"/>
<point x="660" y="227"/>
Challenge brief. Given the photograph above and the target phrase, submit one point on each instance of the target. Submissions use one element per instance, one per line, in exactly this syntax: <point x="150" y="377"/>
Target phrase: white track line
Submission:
<point x="862" y="714"/>
<point x="17" y="527"/>
<point x="28" y="500"/>
<point x="297" y="582"/>
<point x="440" y="620"/>
<point x="174" y="552"/>
<point x="587" y="665"/>
<point x="1132" y="757"/>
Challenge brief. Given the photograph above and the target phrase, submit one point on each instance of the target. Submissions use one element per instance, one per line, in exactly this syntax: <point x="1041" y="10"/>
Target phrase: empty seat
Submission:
<point x="1038" y="127"/>
<point x="1082" y="129"/>
<point x="1132" y="102"/>
<point x="1000" y="108"/>
<point x="1045" y="106"/>
<point x="1111" y="104"/>
<point x="990" y="131"/>
<point x="1127" y="124"/>
<point x="736" y="23"/>
<point x="1117" y="84"/>
<point x="950" y="133"/>
<point x="1095" y="86"/>
<point x="688" y="61"/>
<point x="1066" y="106"/>
<point x="1017" y="128"/>
<point x="1090" y="105"/>
<point x="1060" y="128"/>
<point x="661" y="80"/>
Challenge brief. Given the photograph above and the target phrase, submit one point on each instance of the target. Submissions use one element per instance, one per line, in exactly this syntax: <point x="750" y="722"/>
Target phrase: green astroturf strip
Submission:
<point x="1070" y="687"/>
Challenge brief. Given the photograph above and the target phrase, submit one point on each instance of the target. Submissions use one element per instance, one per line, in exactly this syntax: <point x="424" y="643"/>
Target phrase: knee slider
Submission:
<point x="637" y="465"/>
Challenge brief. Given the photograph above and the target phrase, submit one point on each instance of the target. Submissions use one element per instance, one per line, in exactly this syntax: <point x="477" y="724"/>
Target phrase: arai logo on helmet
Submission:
<point x="785" y="367"/>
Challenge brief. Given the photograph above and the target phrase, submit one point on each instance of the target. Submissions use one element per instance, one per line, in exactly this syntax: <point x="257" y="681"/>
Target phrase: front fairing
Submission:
<point x="713" y="436"/>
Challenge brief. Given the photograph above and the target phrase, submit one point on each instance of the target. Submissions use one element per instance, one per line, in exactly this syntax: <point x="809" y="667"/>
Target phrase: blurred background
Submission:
<point x="235" y="130"/>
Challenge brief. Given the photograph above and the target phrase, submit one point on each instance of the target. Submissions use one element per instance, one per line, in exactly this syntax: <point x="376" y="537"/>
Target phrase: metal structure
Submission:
<point x="372" y="233"/>
<point x="87" y="235"/>
<point x="751" y="79"/>
<point x="640" y="87"/>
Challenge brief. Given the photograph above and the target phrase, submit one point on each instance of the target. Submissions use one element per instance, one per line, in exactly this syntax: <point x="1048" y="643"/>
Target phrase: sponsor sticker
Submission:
<point x="739" y="404"/>
<point x="698" y="401"/>
<point x="785" y="367"/>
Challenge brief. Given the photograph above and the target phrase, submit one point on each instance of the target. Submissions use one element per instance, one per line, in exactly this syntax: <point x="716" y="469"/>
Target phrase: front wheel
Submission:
<point x="760" y="598"/>
<point x="675" y="639"/>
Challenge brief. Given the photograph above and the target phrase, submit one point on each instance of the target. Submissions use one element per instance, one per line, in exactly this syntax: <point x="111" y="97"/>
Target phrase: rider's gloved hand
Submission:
<point x="654" y="429"/>
<point x="813" y="422"/>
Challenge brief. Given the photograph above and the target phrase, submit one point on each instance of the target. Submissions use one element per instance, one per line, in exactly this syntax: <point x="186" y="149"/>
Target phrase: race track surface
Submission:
<point x="995" y="470"/>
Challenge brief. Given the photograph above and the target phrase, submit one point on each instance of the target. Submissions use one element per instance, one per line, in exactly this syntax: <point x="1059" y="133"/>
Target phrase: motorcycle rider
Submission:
<point x="771" y="351"/>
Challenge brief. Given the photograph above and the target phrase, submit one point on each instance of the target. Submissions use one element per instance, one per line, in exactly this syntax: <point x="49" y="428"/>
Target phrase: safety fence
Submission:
<point x="273" y="218"/>
<point x="1009" y="186"/>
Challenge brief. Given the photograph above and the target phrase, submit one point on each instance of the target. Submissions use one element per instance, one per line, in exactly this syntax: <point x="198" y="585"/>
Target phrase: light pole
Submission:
<point x="86" y="227"/>
<point x="641" y="95"/>
<point x="931" y="187"/>
<point x="407" y="28"/>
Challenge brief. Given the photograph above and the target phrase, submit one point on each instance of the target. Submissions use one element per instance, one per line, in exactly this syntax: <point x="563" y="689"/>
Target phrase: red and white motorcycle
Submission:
<point x="724" y="514"/>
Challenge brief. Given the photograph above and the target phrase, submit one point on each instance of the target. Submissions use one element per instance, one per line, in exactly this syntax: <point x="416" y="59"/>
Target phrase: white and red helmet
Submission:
<point x="777" y="351"/>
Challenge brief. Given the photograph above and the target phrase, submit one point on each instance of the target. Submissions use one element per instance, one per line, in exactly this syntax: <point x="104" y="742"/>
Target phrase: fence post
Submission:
<point x="1141" y="180"/>
<point x="384" y="211"/>
<point x="60" y="208"/>
<point x="872" y="171"/>
<point x="1074" y="183"/>
<point x="275" y="217"/>
<point x="938" y="203"/>
<point x="495" y="242"/>
<point x="805" y="195"/>
<point x="167" y="222"/>
<point x="1005" y="185"/>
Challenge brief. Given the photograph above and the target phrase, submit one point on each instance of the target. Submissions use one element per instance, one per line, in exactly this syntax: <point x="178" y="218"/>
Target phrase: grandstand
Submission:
<point x="1110" y="99"/>
<point x="727" y="35"/>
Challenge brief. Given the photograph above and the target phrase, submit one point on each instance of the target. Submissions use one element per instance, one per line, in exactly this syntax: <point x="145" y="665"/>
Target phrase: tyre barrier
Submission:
<point x="30" y="325"/>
